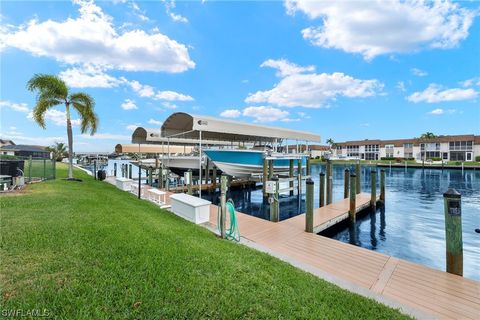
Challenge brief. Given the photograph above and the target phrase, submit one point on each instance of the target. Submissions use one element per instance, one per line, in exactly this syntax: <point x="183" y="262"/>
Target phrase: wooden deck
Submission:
<point x="430" y="291"/>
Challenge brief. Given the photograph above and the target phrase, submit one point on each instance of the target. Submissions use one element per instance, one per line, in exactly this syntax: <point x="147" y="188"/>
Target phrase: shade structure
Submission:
<point x="185" y="125"/>
<point x="151" y="148"/>
<point x="153" y="136"/>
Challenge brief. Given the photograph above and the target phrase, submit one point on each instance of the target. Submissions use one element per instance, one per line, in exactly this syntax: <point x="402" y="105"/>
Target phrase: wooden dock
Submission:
<point x="432" y="292"/>
<point x="211" y="186"/>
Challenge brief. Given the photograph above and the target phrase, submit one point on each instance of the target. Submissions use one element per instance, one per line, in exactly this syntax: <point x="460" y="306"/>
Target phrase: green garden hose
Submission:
<point x="232" y="233"/>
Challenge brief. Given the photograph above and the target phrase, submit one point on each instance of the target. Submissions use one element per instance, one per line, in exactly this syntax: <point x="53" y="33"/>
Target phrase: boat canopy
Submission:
<point x="152" y="136"/>
<point x="189" y="126"/>
<point x="150" y="148"/>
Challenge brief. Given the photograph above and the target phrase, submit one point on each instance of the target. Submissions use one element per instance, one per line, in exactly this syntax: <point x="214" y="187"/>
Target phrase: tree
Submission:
<point x="59" y="150"/>
<point x="331" y="143"/>
<point x="427" y="136"/>
<point x="53" y="91"/>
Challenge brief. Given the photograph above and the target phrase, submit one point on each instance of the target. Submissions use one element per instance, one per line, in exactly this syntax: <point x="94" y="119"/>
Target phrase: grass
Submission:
<point x="88" y="250"/>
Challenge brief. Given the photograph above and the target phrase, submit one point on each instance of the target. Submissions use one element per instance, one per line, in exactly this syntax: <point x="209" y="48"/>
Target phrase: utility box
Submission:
<point x="271" y="187"/>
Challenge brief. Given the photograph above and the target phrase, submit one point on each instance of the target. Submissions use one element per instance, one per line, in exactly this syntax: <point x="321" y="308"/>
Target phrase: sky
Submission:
<point x="345" y="70"/>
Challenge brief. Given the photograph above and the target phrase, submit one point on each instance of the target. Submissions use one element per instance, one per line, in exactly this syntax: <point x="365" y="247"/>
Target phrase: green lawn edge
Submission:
<point x="87" y="250"/>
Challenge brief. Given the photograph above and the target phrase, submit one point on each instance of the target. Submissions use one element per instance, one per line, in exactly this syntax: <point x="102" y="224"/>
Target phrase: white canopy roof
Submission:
<point x="186" y="125"/>
<point x="152" y="136"/>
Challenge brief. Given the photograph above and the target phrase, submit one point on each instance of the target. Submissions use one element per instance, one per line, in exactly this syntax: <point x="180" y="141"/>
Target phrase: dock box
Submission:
<point x="190" y="208"/>
<point x="123" y="183"/>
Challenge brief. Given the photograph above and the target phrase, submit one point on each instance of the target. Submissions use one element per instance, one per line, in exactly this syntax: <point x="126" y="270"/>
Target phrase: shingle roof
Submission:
<point x="22" y="147"/>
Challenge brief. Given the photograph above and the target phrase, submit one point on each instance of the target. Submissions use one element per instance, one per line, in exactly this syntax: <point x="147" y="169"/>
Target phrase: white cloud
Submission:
<point x="172" y="96"/>
<point x="374" y="28"/>
<point x="20" y="107"/>
<point x="435" y="93"/>
<point x="400" y="86"/>
<point x="267" y="114"/>
<point x="285" y="67"/>
<point x="148" y="91"/>
<point x="89" y="76"/>
<point x="129" y="105"/>
<point x="19" y="138"/>
<point x="313" y="90"/>
<point x="155" y="122"/>
<point x="437" y="111"/>
<point x="169" y="6"/>
<point x="139" y="13"/>
<point x="169" y="105"/>
<point x="419" y="73"/>
<point x="132" y="127"/>
<point x="92" y="38"/>
<point x="231" y="113"/>
<point x="470" y="82"/>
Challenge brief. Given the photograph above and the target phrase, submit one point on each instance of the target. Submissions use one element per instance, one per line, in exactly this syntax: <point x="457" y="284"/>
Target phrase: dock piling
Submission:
<point x="189" y="181"/>
<point x="299" y="176"/>
<point x="373" y="199"/>
<point x="353" y="196"/>
<point x="223" y="204"/>
<point x="264" y="178"/>
<point x="382" y="186"/>
<point x="130" y="171"/>
<point x="329" y="182"/>
<point x="290" y="175"/>
<point x="308" y="173"/>
<point x="270" y="169"/>
<point x="322" y="190"/>
<point x="115" y="169"/>
<point x="214" y="178"/>
<point x="309" y="206"/>
<point x="346" y="183"/>
<point x="150" y="176"/>
<point x="139" y="181"/>
<point x="358" y="173"/>
<point x="453" y="231"/>
<point x="94" y="169"/>
<point x="274" y="204"/>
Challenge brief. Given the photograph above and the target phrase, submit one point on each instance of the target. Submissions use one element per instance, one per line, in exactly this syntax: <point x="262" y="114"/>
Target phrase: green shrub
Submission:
<point x="387" y="158"/>
<point x="477" y="158"/>
<point x="436" y="159"/>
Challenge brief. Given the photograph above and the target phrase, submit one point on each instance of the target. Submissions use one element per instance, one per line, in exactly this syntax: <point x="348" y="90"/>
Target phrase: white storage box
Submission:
<point x="190" y="208"/>
<point x="123" y="184"/>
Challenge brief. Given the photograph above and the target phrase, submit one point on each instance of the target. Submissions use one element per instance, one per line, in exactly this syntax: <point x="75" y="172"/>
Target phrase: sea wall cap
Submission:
<point x="452" y="193"/>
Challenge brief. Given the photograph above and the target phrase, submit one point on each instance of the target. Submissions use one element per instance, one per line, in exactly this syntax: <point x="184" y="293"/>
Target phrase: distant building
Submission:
<point x="448" y="148"/>
<point x="4" y="142"/>
<point x="315" y="150"/>
<point x="25" y="151"/>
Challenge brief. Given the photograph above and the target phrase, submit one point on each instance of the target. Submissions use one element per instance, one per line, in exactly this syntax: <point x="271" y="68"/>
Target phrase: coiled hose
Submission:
<point x="232" y="233"/>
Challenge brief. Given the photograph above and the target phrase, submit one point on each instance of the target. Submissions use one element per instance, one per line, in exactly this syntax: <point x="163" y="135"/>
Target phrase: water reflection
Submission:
<point x="414" y="210"/>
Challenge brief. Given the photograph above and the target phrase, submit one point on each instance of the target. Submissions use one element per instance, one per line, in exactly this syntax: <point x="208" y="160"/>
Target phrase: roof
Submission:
<point x="153" y="136"/>
<point x="23" y="147"/>
<point x="414" y="141"/>
<point x="6" y="142"/>
<point x="150" y="148"/>
<point x="187" y="125"/>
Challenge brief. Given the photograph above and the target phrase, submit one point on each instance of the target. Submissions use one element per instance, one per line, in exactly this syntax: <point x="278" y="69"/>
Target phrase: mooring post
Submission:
<point x="309" y="206"/>
<point x="189" y="181"/>
<point x="358" y="173"/>
<point x="382" y="186"/>
<point x="274" y="205"/>
<point x="115" y="169"/>
<point x="223" y="204"/>
<point x="290" y="175"/>
<point x="329" y="182"/>
<point x="270" y="169"/>
<point x="453" y="231"/>
<point x="299" y="175"/>
<point x="353" y="195"/>
<point x="322" y="190"/>
<point x="264" y="178"/>
<point x="30" y="169"/>
<point x="95" y="169"/>
<point x="214" y="173"/>
<point x="139" y="181"/>
<point x="373" y="198"/>
<point x="346" y="178"/>
<point x="150" y="176"/>
<point x="308" y="173"/>
<point x="130" y="171"/>
<point x="160" y="177"/>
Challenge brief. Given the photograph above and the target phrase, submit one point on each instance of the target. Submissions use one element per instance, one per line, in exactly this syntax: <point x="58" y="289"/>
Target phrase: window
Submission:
<point x="430" y="154"/>
<point x="408" y="145"/>
<point x="457" y="155"/>
<point x="408" y="154"/>
<point x="461" y="145"/>
<point x="445" y="156"/>
<point x="469" y="156"/>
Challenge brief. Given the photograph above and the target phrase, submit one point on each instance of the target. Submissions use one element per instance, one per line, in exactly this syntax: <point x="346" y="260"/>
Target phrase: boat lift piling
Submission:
<point x="322" y="190"/>
<point x="345" y="183"/>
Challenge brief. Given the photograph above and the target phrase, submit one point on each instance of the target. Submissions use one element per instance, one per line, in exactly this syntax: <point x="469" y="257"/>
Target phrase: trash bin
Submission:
<point x="101" y="175"/>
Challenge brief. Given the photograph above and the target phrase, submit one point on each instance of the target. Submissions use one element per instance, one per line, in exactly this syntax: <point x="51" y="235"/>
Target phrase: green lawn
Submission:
<point x="87" y="250"/>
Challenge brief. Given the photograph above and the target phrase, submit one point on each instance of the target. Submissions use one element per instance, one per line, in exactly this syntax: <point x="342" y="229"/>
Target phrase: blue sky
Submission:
<point x="345" y="70"/>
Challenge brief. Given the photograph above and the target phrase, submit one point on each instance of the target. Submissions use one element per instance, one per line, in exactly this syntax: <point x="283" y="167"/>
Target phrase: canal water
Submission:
<point x="410" y="227"/>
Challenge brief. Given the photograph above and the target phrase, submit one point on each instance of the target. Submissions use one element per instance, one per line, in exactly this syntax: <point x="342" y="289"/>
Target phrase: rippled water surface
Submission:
<point x="410" y="227"/>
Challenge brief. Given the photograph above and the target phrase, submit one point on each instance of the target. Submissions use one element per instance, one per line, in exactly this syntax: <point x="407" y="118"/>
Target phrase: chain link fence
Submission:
<point x="32" y="169"/>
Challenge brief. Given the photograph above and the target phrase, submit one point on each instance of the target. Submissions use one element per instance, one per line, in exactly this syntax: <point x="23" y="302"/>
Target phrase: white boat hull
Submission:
<point x="245" y="170"/>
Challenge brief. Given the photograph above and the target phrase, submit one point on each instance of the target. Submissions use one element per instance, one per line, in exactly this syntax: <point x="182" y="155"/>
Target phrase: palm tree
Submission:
<point x="331" y="143"/>
<point x="53" y="91"/>
<point x="427" y="136"/>
<point x="59" y="150"/>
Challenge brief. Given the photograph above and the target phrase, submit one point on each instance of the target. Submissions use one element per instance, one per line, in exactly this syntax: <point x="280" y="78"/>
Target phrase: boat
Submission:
<point x="179" y="164"/>
<point x="246" y="163"/>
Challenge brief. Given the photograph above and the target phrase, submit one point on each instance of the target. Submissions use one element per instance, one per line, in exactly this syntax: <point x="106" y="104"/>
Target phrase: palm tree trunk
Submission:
<point x="70" y="142"/>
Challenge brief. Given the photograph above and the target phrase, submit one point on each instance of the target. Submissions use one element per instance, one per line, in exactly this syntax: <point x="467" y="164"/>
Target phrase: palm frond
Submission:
<point x="85" y="105"/>
<point x="48" y="87"/>
<point x="41" y="107"/>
